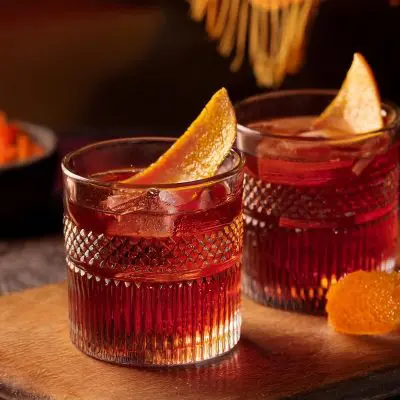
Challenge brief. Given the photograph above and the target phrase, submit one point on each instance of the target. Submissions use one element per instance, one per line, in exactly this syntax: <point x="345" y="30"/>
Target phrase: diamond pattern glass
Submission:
<point x="314" y="209"/>
<point x="156" y="279"/>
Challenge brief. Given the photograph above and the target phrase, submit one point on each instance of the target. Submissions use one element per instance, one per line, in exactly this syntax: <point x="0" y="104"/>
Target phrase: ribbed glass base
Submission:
<point x="146" y="323"/>
<point x="310" y="300"/>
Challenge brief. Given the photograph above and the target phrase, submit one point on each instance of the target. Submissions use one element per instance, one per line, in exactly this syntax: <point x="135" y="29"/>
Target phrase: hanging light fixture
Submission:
<point x="274" y="33"/>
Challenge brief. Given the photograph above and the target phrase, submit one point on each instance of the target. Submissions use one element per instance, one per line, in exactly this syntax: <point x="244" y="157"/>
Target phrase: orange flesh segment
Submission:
<point x="198" y="153"/>
<point x="365" y="303"/>
<point x="357" y="107"/>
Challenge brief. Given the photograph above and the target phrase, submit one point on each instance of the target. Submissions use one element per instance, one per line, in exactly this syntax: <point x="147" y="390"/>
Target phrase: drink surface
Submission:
<point x="156" y="287"/>
<point x="288" y="126"/>
<point x="308" y="222"/>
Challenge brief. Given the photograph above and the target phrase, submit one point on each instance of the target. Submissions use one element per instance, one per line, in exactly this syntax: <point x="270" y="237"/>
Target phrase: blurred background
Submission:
<point x="137" y="67"/>
<point x="96" y="69"/>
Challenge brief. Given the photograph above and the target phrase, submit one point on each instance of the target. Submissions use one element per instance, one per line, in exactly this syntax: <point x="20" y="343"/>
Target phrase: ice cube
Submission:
<point x="284" y="148"/>
<point x="120" y="202"/>
<point x="205" y="200"/>
<point x="177" y="198"/>
<point x="268" y="148"/>
<point x="128" y="201"/>
<point x="186" y="200"/>
<point x="324" y="134"/>
<point x="296" y="149"/>
<point x="140" y="214"/>
<point x="227" y="165"/>
<point x="142" y="224"/>
<point x="369" y="149"/>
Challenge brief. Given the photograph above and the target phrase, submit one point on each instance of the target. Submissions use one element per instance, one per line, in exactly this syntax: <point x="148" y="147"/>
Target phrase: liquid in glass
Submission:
<point x="155" y="280"/>
<point x="313" y="211"/>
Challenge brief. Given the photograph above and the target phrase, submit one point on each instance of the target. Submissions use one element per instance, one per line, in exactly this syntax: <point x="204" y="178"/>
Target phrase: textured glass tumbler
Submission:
<point x="153" y="271"/>
<point x="315" y="208"/>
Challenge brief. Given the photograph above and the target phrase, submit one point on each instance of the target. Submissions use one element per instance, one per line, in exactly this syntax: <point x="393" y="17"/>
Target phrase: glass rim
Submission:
<point x="386" y="106"/>
<point x="237" y="168"/>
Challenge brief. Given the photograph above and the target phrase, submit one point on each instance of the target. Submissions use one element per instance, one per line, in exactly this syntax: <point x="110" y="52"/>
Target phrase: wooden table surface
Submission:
<point x="280" y="355"/>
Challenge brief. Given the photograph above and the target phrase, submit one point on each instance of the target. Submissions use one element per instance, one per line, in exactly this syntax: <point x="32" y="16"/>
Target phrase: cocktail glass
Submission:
<point x="314" y="208"/>
<point x="153" y="271"/>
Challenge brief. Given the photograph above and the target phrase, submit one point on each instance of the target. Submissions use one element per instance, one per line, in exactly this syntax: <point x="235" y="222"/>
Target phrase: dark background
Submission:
<point x="143" y="67"/>
<point x="96" y="69"/>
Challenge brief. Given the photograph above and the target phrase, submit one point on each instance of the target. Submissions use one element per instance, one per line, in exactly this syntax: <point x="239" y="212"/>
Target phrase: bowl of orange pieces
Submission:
<point x="28" y="162"/>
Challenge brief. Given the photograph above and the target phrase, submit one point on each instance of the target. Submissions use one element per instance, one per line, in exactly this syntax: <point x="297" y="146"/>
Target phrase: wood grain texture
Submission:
<point x="280" y="354"/>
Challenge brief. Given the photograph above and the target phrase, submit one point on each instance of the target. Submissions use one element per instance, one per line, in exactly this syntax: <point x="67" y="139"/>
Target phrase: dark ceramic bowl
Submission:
<point x="26" y="187"/>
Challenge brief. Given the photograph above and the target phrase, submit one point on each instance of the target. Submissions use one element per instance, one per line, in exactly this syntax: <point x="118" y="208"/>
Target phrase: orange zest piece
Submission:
<point x="365" y="303"/>
<point x="357" y="107"/>
<point x="15" y="145"/>
<point x="198" y="153"/>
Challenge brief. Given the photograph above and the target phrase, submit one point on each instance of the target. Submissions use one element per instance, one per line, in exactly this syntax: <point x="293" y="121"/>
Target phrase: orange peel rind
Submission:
<point x="365" y="303"/>
<point x="357" y="107"/>
<point x="198" y="153"/>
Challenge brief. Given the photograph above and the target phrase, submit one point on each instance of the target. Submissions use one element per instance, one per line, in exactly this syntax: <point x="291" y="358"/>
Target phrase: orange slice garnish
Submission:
<point x="198" y="153"/>
<point x="357" y="107"/>
<point x="365" y="303"/>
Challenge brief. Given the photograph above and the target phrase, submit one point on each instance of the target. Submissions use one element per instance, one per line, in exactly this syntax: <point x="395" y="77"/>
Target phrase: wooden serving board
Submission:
<point x="281" y="354"/>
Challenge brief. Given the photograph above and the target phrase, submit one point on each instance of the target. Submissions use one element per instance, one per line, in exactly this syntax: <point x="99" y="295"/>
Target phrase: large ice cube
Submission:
<point x="299" y="149"/>
<point x="178" y="200"/>
<point x="292" y="149"/>
<point x="140" y="213"/>
<point x="143" y="225"/>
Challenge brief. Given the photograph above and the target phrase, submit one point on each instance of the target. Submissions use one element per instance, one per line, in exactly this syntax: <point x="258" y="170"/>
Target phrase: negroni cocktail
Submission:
<point x="154" y="274"/>
<point x="316" y="207"/>
<point x="154" y="267"/>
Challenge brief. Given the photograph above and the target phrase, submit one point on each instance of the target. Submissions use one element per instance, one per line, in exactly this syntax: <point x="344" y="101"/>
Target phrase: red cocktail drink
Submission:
<point x="315" y="208"/>
<point x="154" y="271"/>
